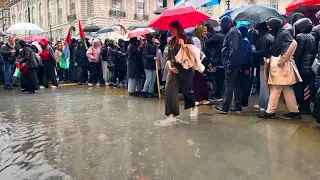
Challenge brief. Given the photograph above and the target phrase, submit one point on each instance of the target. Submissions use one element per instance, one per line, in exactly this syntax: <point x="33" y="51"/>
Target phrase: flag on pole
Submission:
<point x="17" y="72"/>
<point x="65" y="56"/>
<point x="82" y="35"/>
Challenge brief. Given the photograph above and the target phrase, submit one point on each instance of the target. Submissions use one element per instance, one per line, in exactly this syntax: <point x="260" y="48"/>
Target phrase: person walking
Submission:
<point x="262" y="51"/>
<point x="80" y="60"/>
<point x="232" y="50"/>
<point x="28" y="68"/>
<point x="9" y="54"/>
<point x="149" y="63"/>
<point x="49" y="65"/>
<point x="134" y="68"/>
<point x="178" y="77"/>
<point x="283" y="72"/>
<point x="304" y="56"/>
<point x="93" y="54"/>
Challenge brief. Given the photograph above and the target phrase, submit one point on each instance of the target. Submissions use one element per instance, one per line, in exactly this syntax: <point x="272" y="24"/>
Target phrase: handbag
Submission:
<point x="316" y="66"/>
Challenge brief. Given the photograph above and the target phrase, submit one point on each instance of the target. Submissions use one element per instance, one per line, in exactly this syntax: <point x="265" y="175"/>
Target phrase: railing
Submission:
<point x="116" y="13"/>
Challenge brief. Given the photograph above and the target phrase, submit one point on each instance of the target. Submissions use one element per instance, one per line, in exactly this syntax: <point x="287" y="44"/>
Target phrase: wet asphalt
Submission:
<point x="98" y="133"/>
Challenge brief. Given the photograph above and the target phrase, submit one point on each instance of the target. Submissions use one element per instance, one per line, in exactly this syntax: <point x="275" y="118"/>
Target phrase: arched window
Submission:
<point x="40" y="15"/>
<point x="49" y="12"/>
<point x="90" y="7"/>
<point x="59" y="3"/>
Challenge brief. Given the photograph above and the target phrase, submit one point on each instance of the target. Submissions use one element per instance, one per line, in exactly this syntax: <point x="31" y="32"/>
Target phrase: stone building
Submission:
<point x="4" y="19"/>
<point x="59" y="15"/>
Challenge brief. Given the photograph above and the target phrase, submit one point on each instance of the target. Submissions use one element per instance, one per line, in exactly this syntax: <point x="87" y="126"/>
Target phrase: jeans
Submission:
<point x="150" y="80"/>
<point x="232" y="86"/>
<point x="134" y="85"/>
<point x="264" y="90"/>
<point x="7" y="75"/>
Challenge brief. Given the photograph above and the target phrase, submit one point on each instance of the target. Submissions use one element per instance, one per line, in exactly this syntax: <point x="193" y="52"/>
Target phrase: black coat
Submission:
<point x="316" y="33"/>
<point x="27" y="55"/>
<point x="8" y="57"/>
<point x="148" y="54"/>
<point x="122" y="59"/>
<point x="306" y="50"/>
<point x="104" y="54"/>
<point x="263" y="48"/>
<point x="80" y="57"/>
<point x="113" y="56"/>
<point x="214" y="46"/>
<point x="134" y="64"/>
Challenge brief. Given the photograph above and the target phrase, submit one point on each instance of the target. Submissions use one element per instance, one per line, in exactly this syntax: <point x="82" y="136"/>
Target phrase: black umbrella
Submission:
<point x="255" y="13"/>
<point x="131" y="28"/>
<point x="3" y="33"/>
<point x="91" y="28"/>
<point x="106" y="30"/>
<point x="160" y="10"/>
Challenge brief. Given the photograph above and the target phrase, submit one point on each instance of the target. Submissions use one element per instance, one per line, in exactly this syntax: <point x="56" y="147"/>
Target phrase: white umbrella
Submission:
<point x="23" y="28"/>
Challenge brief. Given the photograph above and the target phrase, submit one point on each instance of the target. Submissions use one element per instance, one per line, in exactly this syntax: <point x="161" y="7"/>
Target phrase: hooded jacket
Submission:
<point x="134" y="65"/>
<point x="122" y="59"/>
<point x="148" y="54"/>
<point x="262" y="45"/>
<point x="306" y="50"/>
<point x="79" y="55"/>
<point x="28" y="56"/>
<point x="113" y="54"/>
<point x="232" y="49"/>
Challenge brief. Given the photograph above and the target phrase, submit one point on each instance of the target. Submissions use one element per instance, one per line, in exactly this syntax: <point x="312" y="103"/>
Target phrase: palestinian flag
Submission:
<point x="82" y="35"/>
<point x="65" y="56"/>
<point x="17" y="72"/>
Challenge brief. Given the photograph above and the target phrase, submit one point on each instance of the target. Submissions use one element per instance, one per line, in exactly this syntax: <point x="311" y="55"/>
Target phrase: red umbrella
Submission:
<point x="186" y="15"/>
<point x="296" y="3"/>
<point x="307" y="7"/>
<point x="139" y="32"/>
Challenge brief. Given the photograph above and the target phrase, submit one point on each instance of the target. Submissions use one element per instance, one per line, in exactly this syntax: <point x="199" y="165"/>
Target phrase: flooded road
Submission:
<point x="76" y="133"/>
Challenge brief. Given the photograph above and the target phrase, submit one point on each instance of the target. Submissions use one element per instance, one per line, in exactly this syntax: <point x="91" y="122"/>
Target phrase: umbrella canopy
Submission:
<point x="23" y="28"/>
<point x="212" y="3"/>
<point x="91" y="28"/>
<point x="106" y="30"/>
<point x="255" y="13"/>
<point x="307" y="7"/>
<point x="231" y="10"/>
<point x="212" y="22"/>
<point x="139" y="32"/>
<point x="296" y="3"/>
<point x="3" y="33"/>
<point x="186" y="15"/>
<point x="160" y="10"/>
<point x="34" y="38"/>
<point x="131" y="28"/>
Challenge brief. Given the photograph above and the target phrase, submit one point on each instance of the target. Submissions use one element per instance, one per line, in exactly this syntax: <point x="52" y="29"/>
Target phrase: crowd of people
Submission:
<point x="233" y="63"/>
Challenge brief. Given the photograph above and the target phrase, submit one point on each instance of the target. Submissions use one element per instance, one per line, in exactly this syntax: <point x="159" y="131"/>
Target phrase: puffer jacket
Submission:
<point x="316" y="33"/>
<point x="306" y="50"/>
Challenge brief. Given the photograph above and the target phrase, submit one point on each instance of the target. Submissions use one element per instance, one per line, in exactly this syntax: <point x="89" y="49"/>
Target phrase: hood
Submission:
<point x="110" y="43"/>
<point x="276" y="24"/>
<point x="262" y="28"/>
<point x="94" y="41"/>
<point x="44" y="42"/>
<point x="226" y="24"/>
<point x="244" y="31"/>
<point x="120" y="41"/>
<point x="295" y="17"/>
<point x="318" y="15"/>
<point x="303" y="25"/>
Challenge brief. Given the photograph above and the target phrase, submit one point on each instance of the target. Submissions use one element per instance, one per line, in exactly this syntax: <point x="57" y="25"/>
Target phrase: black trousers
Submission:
<point x="183" y="80"/>
<point x="40" y="75"/>
<point x="30" y="80"/>
<point x="302" y="91"/>
<point x="94" y="73"/>
<point x="114" y="72"/>
<point x="219" y="82"/>
<point x="81" y="74"/>
<point x="245" y="88"/>
<point x="48" y="72"/>
<point x="316" y="108"/>
<point x="232" y="86"/>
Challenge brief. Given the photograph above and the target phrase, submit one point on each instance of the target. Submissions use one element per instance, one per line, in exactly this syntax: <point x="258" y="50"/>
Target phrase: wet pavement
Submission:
<point x="101" y="133"/>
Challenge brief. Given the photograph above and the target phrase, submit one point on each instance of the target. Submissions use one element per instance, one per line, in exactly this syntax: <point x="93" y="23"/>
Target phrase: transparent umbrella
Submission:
<point x="23" y="27"/>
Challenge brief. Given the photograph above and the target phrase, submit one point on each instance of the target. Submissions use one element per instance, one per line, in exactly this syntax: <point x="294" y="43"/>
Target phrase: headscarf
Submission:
<point x="198" y="33"/>
<point x="282" y="37"/>
<point x="36" y="44"/>
<point x="94" y="41"/>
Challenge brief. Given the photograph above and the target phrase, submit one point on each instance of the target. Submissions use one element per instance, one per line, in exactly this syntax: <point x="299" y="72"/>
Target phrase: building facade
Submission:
<point x="4" y="18"/>
<point x="57" y="16"/>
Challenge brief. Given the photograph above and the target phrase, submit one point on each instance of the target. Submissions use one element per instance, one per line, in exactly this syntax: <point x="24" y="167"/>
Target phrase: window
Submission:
<point x="40" y="16"/>
<point x="73" y="7"/>
<point x="26" y="16"/>
<point x="159" y="3"/>
<point x="49" y="12"/>
<point x="140" y="7"/>
<point x="90" y="7"/>
<point x="275" y="4"/>
<point x="59" y="11"/>
<point x="116" y="5"/>
<point x="32" y="15"/>
<point x="20" y="17"/>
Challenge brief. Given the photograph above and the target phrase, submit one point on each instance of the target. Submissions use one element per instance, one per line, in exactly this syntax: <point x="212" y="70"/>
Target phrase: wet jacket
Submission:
<point x="148" y="54"/>
<point x="316" y="33"/>
<point x="134" y="63"/>
<point x="113" y="56"/>
<point x="306" y="49"/>
<point x="215" y="44"/>
<point x="80" y="57"/>
<point x="27" y="55"/>
<point x="232" y="49"/>
<point x="8" y="57"/>
<point x="104" y="53"/>
<point x="263" y="48"/>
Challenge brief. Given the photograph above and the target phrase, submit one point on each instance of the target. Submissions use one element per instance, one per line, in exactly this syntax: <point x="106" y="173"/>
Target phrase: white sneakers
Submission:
<point x="42" y="87"/>
<point x="256" y="106"/>
<point x="53" y="87"/>
<point x="90" y="84"/>
<point x="262" y="109"/>
<point x="194" y="112"/>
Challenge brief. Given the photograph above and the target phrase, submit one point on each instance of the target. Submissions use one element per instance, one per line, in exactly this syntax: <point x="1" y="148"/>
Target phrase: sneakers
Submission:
<point x="197" y="103"/>
<point x="245" y="107"/>
<point x="257" y="106"/>
<point x="98" y="84"/>
<point x="265" y="115"/>
<point x="292" y="115"/>
<point x="167" y="122"/>
<point x="220" y="110"/>
<point x="53" y="87"/>
<point x="194" y="112"/>
<point x="262" y="109"/>
<point x="90" y="84"/>
<point x="234" y="109"/>
<point x="217" y="99"/>
<point x="205" y="102"/>
<point x="42" y="87"/>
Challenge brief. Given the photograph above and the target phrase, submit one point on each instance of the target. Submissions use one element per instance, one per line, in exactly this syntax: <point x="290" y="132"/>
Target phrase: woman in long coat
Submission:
<point x="134" y="68"/>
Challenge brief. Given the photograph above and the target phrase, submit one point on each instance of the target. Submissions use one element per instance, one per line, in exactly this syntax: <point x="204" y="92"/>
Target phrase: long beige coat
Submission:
<point x="283" y="70"/>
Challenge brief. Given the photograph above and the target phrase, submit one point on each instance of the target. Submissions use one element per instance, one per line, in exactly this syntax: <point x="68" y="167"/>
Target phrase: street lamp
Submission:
<point x="228" y="4"/>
